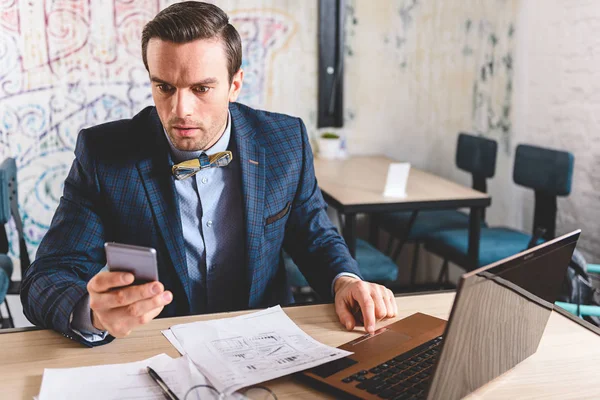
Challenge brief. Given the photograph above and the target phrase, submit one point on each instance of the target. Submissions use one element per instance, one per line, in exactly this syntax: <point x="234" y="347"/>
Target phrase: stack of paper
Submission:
<point x="125" y="381"/>
<point x="242" y="351"/>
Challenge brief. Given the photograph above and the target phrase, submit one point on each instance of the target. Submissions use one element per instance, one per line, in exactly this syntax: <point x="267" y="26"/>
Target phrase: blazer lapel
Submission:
<point x="160" y="190"/>
<point x="252" y="163"/>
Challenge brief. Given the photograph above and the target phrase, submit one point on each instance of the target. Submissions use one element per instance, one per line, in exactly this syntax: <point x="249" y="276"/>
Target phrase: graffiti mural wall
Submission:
<point x="70" y="64"/>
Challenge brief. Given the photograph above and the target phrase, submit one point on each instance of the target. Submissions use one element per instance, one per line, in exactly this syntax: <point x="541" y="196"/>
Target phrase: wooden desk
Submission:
<point x="564" y="367"/>
<point x="356" y="185"/>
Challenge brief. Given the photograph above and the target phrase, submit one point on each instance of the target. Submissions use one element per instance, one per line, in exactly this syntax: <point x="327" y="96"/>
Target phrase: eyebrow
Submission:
<point x="207" y="81"/>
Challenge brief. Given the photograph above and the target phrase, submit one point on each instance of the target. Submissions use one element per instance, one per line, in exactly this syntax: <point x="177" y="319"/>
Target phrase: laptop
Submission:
<point x="497" y="320"/>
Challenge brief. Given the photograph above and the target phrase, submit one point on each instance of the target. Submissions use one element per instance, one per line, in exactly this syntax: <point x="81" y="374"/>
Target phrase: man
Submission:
<point x="219" y="233"/>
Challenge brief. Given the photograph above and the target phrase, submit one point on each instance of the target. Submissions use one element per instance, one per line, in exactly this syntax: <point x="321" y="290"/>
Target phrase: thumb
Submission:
<point x="344" y="314"/>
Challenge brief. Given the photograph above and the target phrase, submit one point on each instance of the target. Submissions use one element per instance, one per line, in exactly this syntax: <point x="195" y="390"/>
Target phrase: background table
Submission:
<point x="356" y="185"/>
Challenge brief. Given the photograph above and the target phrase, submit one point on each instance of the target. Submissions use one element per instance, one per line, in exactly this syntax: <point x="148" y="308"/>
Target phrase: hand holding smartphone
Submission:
<point x="129" y="294"/>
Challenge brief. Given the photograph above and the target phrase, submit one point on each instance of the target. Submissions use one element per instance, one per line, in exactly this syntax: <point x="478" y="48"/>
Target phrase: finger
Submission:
<point x="124" y="296"/>
<point x="135" y="321"/>
<point x="344" y="314"/>
<point x="363" y="296"/>
<point x="106" y="280"/>
<point x="121" y="321"/>
<point x="389" y="302"/>
<point x="140" y="308"/>
<point x="389" y="308"/>
<point x="149" y="316"/>
<point x="379" y="299"/>
<point x="394" y="304"/>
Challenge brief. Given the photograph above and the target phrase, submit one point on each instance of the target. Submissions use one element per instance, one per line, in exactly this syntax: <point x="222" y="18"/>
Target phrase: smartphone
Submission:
<point x="139" y="260"/>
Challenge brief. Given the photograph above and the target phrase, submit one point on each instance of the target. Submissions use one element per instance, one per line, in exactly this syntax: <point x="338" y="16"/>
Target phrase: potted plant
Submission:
<point x="329" y="145"/>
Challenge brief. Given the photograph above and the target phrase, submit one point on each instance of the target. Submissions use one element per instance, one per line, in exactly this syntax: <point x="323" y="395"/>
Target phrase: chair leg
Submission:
<point x="443" y="273"/>
<point x="397" y="252"/>
<point x="415" y="264"/>
<point x="10" y="318"/>
<point x="403" y="238"/>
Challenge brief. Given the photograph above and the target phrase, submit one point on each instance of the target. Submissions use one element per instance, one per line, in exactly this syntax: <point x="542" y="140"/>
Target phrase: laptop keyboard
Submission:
<point x="400" y="378"/>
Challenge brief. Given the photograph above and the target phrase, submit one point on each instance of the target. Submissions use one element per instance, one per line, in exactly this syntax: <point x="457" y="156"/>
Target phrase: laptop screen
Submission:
<point x="540" y="272"/>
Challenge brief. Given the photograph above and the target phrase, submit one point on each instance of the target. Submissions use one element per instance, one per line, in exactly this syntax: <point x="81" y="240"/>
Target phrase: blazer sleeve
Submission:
<point x="70" y="253"/>
<point x="311" y="239"/>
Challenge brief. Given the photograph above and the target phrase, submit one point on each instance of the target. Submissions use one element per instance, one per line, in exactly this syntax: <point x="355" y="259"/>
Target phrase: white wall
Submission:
<point x="414" y="81"/>
<point x="557" y="98"/>
<point x="70" y="64"/>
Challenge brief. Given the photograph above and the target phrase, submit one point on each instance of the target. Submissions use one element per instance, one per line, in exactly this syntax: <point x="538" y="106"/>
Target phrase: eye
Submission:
<point x="202" y="89"/>
<point x="163" y="87"/>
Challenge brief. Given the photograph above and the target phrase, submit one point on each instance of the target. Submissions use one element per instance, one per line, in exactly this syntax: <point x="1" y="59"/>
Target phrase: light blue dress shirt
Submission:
<point x="212" y="217"/>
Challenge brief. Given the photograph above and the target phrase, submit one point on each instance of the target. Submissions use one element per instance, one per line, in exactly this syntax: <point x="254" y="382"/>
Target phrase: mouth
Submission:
<point x="185" y="131"/>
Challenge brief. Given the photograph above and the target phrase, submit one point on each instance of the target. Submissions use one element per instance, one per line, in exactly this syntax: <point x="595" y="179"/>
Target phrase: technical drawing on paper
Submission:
<point x="265" y="339"/>
<point x="260" y="352"/>
<point x="231" y="344"/>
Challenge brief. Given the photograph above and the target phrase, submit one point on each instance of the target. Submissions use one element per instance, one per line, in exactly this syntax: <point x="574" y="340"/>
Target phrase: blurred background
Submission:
<point x="416" y="73"/>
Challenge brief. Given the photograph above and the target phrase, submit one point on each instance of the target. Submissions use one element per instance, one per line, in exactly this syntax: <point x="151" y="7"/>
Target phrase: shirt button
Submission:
<point x="209" y="224"/>
<point x="204" y="180"/>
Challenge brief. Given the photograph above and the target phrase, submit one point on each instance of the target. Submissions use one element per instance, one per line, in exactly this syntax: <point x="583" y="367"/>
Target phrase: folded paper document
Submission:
<point x="242" y="351"/>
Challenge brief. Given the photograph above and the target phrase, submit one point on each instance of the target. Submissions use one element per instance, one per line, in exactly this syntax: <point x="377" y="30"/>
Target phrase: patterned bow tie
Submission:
<point x="192" y="167"/>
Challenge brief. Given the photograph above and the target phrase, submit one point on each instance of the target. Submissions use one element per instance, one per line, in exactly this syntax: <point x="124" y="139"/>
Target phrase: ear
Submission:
<point x="236" y="85"/>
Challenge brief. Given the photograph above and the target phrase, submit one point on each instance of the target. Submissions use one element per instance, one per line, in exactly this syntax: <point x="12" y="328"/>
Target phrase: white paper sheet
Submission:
<point x="242" y="351"/>
<point x="397" y="178"/>
<point x="168" y="334"/>
<point x="125" y="381"/>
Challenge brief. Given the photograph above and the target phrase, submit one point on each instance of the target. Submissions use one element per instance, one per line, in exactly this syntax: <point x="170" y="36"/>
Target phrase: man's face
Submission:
<point x="191" y="90"/>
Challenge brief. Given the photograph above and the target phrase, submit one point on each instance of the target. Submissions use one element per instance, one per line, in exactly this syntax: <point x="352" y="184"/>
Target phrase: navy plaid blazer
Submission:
<point x="120" y="189"/>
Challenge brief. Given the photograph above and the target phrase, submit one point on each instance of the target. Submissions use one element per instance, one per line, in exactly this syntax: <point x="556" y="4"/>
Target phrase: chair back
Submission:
<point x="477" y="155"/>
<point x="9" y="206"/>
<point x="550" y="174"/>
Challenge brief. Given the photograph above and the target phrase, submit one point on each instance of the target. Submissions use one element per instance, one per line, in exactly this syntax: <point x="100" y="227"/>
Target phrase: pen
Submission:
<point x="168" y="393"/>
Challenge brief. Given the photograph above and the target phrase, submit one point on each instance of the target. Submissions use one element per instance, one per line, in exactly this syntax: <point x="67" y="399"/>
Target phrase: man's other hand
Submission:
<point x="119" y="308"/>
<point x="355" y="298"/>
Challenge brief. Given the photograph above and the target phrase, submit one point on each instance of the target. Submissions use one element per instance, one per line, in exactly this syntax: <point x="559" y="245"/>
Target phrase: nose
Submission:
<point x="183" y="104"/>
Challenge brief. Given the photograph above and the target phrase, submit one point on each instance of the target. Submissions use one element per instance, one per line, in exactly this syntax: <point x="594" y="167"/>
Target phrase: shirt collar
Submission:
<point x="220" y="145"/>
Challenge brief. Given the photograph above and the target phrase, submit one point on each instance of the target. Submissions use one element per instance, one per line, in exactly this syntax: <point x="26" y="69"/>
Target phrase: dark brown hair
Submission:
<point x="191" y="20"/>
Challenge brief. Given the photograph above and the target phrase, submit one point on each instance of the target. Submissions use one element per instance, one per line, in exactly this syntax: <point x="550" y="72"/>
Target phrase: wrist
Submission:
<point x="96" y="321"/>
<point x="341" y="282"/>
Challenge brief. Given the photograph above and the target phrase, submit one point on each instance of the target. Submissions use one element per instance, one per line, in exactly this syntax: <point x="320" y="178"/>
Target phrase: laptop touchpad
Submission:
<point x="382" y="340"/>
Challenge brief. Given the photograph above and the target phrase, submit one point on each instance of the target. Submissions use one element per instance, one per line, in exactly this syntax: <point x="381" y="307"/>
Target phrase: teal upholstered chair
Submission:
<point x="474" y="154"/>
<point x="9" y="207"/>
<point x="549" y="173"/>
<point x="373" y="265"/>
